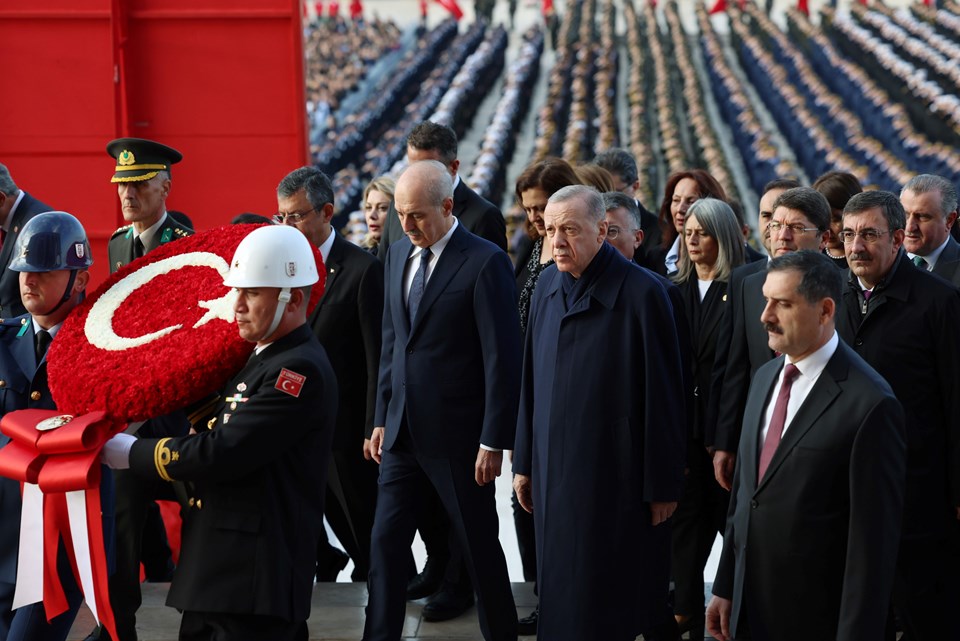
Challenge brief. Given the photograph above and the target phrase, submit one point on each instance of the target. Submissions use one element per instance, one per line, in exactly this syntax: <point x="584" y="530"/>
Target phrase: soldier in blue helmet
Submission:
<point x="52" y="256"/>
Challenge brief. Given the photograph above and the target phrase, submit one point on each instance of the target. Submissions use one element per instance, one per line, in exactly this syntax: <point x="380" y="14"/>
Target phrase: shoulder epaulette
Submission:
<point x="120" y="231"/>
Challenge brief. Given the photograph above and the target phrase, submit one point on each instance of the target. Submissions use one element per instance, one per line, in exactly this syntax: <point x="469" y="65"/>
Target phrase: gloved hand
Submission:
<point x="116" y="452"/>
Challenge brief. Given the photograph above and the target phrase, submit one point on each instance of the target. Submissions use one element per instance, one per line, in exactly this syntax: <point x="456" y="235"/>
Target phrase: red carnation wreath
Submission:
<point x="158" y="335"/>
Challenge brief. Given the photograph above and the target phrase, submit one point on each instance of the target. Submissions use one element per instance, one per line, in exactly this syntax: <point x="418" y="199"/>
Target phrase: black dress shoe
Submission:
<point x="98" y="634"/>
<point x="331" y="565"/>
<point x="528" y="624"/>
<point x="428" y="581"/>
<point x="447" y="604"/>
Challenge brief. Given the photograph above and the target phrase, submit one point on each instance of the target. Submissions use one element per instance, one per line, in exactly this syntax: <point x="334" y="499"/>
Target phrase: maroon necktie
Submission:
<point x="777" y="421"/>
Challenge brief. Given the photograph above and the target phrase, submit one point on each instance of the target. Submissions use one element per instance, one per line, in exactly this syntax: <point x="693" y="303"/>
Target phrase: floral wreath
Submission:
<point x="158" y="335"/>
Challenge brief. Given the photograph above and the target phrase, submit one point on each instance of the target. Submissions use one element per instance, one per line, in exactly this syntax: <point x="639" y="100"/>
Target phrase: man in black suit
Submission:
<point x="446" y="401"/>
<point x="346" y="321"/>
<point x="445" y="569"/>
<point x="800" y="220"/>
<point x="900" y="319"/>
<point x="817" y="501"/>
<point x="258" y="470"/>
<point x="16" y="208"/>
<point x="626" y="179"/>
<point x="430" y="141"/>
<point x="930" y="203"/>
<point x="143" y="183"/>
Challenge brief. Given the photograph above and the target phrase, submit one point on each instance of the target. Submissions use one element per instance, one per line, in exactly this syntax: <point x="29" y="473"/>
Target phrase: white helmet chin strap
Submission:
<point x="282" y="301"/>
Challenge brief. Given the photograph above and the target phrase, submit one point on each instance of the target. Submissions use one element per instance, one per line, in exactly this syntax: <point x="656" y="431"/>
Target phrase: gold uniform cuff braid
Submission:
<point x="161" y="458"/>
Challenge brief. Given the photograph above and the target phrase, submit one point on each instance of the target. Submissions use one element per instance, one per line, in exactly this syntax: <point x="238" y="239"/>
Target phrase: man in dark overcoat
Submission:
<point x="600" y="436"/>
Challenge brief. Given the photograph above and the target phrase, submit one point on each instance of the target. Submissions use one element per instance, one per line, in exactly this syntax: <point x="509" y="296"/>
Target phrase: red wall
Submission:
<point x="220" y="81"/>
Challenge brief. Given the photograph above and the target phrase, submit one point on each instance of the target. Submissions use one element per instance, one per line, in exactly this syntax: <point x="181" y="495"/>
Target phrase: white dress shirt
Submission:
<point x="413" y="260"/>
<point x="933" y="256"/>
<point x="810" y="369"/>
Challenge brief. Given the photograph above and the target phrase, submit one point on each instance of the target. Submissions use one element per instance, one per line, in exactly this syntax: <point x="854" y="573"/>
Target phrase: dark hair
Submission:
<point x="312" y="181"/>
<point x="809" y="201"/>
<point x="619" y="162"/>
<point x="618" y="199"/>
<point x="708" y="188"/>
<point x="780" y="183"/>
<point x="549" y="174"/>
<point x="888" y="203"/>
<point x="430" y="136"/>
<point x="248" y="218"/>
<point x="924" y="183"/>
<point x="838" y="187"/>
<point x="820" y="278"/>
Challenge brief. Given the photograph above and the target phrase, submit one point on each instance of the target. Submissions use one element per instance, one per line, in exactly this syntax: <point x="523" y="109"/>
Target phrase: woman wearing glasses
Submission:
<point x="711" y="247"/>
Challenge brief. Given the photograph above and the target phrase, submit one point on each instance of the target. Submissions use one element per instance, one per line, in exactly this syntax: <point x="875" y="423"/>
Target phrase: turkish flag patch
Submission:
<point x="290" y="382"/>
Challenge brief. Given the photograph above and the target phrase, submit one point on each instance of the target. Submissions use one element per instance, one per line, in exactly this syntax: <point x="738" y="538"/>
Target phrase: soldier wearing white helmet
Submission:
<point x="258" y="472"/>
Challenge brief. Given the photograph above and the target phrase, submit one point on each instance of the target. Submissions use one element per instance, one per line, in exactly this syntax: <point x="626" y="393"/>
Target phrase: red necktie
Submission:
<point x="777" y="421"/>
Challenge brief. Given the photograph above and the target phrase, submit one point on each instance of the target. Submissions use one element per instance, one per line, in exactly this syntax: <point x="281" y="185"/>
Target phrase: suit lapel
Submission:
<point x="824" y="392"/>
<point x="398" y="264"/>
<point x="753" y="418"/>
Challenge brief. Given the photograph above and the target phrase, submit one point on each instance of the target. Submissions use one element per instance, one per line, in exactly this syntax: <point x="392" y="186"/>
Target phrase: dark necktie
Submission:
<point x="137" y="247"/>
<point x="419" y="284"/>
<point x="777" y="421"/>
<point x="43" y="342"/>
<point x="920" y="262"/>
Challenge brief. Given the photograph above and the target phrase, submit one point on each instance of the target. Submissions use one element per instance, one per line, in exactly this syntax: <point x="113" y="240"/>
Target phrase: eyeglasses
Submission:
<point x="868" y="235"/>
<point x="796" y="228"/>
<point x="613" y="231"/>
<point x="291" y="219"/>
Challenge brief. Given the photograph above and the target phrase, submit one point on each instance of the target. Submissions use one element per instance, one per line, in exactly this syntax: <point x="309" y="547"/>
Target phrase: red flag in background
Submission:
<point x="356" y="10"/>
<point x="334" y="9"/>
<point x="318" y="7"/>
<point x="452" y="7"/>
<point x="721" y="5"/>
<point x="803" y="8"/>
<point x="547" y="7"/>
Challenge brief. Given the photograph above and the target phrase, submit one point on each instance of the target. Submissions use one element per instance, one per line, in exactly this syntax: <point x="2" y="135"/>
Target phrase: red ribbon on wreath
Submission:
<point x="57" y="458"/>
<point x="163" y="322"/>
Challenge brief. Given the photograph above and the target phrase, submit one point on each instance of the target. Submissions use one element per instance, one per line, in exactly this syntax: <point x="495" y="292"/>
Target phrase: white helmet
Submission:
<point x="273" y="256"/>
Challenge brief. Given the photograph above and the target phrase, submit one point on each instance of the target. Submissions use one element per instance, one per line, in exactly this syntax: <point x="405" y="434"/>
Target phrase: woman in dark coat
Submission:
<point x="711" y="247"/>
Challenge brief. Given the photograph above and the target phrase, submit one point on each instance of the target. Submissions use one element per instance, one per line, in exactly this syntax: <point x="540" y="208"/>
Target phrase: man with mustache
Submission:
<point x="811" y="538"/>
<point x="800" y="220"/>
<point x="901" y="320"/>
<point x="930" y="203"/>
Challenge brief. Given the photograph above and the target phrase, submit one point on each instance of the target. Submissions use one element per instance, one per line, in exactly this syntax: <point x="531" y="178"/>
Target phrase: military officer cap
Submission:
<point x="139" y="159"/>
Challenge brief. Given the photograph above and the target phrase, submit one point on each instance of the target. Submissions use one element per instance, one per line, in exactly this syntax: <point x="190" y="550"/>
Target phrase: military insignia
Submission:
<point x="24" y="252"/>
<point x="724" y="298"/>
<point x="16" y="228"/>
<point x="54" y="422"/>
<point x="242" y="387"/>
<point x="23" y="321"/>
<point x="226" y="418"/>
<point x="180" y="232"/>
<point x="290" y="382"/>
<point x="78" y="249"/>
<point x="291" y="269"/>
<point x="126" y="158"/>
<point x="119" y="264"/>
<point x="211" y="423"/>
<point x="167" y="235"/>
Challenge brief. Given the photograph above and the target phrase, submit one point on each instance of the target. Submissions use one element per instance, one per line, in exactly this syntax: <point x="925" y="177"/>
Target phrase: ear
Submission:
<point x="636" y="185"/>
<point x="639" y="239"/>
<point x="828" y="307"/>
<point x="297" y="299"/>
<point x="951" y="217"/>
<point x="898" y="236"/>
<point x="602" y="229"/>
<point x="327" y="212"/>
<point x="824" y="237"/>
<point x="81" y="281"/>
<point x="454" y="167"/>
<point x="447" y="207"/>
<point x="165" y="187"/>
